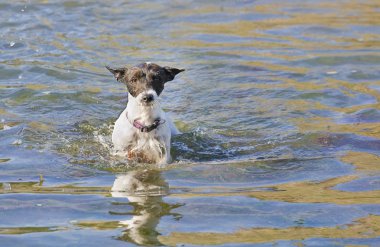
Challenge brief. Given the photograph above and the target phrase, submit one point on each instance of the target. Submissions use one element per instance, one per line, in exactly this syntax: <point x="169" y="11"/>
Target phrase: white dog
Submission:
<point x="143" y="130"/>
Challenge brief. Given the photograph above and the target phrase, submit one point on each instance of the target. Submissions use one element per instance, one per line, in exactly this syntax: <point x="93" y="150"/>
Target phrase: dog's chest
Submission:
<point x="146" y="147"/>
<point x="137" y="145"/>
<point x="143" y="137"/>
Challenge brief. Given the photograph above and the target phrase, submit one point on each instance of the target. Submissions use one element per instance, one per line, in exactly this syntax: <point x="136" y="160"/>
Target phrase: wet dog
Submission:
<point x="143" y="130"/>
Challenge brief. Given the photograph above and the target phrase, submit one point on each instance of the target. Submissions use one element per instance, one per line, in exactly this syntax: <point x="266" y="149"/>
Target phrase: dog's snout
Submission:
<point x="148" y="98"/>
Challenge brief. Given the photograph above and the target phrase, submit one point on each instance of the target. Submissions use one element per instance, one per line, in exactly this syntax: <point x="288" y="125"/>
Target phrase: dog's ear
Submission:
<point x="118" y="73"/>
<point x="172" y="72"/>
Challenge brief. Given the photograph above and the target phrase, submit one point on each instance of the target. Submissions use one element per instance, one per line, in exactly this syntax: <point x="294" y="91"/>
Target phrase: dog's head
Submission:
<point x="146" y="81"/>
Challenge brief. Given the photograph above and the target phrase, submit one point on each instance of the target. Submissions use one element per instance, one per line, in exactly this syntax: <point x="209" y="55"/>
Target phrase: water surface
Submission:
<point x="278" y="108"/>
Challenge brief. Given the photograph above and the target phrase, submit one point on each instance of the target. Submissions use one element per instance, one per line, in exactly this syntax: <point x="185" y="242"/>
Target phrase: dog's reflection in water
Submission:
<point x="144" y="190"/>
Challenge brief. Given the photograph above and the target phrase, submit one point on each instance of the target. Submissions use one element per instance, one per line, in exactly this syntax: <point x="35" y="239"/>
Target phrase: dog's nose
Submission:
<point x="148" y="98"/>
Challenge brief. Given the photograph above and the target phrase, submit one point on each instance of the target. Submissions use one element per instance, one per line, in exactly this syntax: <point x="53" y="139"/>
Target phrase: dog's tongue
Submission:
<point x="138" y="125"/>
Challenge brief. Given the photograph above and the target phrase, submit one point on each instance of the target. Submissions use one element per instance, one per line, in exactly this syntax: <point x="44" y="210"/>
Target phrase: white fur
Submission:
<point x="155" y="145"/>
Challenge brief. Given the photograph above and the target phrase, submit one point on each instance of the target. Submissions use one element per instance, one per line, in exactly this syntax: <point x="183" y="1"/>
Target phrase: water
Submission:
<point x="278" y="109"/>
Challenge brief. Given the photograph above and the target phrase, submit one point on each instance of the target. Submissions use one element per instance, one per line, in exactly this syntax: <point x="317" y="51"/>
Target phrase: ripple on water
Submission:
<point x="9" y="73"/>
<point x="278" y="108"/>
<point x="13" y="45"/>
<point x="342" y="60"/>
<point x="58" y="74"/>
<point x="369" y="115"/>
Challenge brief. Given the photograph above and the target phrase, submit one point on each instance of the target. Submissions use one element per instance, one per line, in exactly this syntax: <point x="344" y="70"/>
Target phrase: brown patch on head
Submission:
<point x="145" y="76"/>
<point x="135" y="81"/>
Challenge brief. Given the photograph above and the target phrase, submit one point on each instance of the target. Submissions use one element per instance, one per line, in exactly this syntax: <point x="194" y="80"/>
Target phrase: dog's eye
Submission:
<point x="155" y="78"/>
<point x="133" y="79"/>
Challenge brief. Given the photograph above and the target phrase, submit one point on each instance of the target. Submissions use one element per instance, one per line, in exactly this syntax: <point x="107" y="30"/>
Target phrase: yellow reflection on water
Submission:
<point x="315" y="124"/>
<point x="25" y="230"/>
<point x="363" y="162"/>
<point x="368" y="227"/>
<point x="318" y="192"/>
<point x="304" y="192"/>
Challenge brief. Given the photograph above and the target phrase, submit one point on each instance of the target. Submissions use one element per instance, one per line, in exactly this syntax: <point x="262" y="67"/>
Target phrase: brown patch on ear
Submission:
<point x="118" y="73"/>
<point x="172" y="72"/>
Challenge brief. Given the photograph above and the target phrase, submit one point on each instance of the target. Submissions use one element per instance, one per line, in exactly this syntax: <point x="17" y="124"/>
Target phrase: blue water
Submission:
<point x="278" y="109"/>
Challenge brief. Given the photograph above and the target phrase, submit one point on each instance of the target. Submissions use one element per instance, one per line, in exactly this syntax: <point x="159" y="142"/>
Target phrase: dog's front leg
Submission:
<point x="166" y="159"/>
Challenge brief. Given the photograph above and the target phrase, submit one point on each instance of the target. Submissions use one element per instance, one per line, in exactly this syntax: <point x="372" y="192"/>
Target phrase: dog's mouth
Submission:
<point x="148" y="104"/>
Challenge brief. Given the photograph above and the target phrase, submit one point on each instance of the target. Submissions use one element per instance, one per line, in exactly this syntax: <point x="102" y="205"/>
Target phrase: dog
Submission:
<point x="143" y="130"/>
